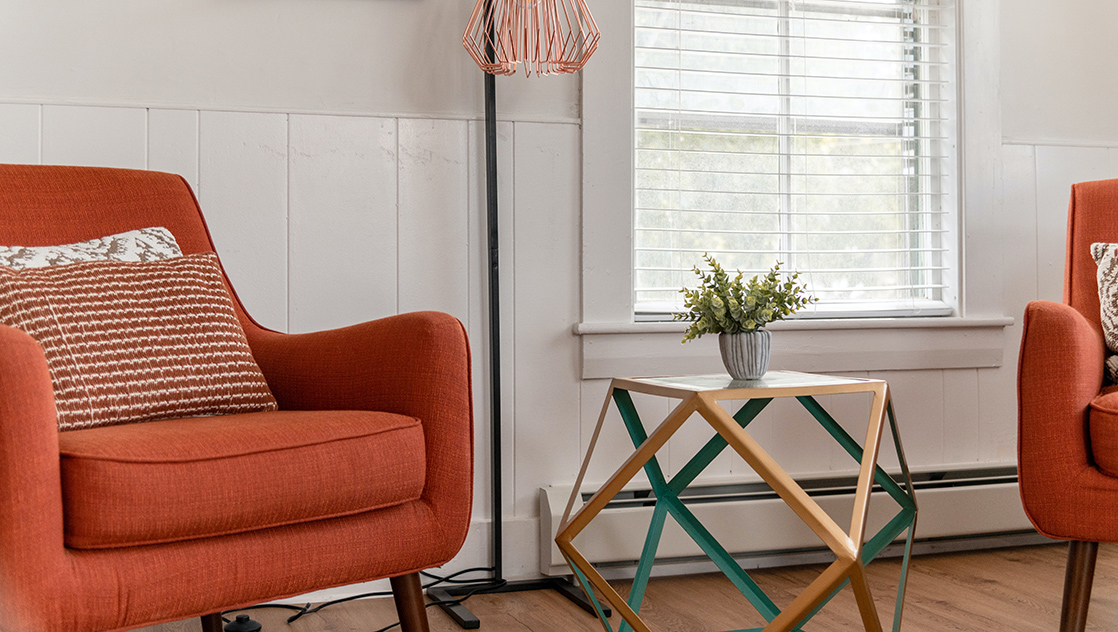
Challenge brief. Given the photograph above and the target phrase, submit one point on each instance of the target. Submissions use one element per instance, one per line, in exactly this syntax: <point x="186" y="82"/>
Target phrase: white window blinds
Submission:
<point x="814" y="133"/>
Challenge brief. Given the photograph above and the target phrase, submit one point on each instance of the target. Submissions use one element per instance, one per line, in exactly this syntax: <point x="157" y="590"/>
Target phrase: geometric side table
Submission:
<point x="701" y="394"/>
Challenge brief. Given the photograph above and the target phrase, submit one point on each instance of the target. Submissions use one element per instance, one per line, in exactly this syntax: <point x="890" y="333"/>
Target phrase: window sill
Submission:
<point x="616" y="349"/>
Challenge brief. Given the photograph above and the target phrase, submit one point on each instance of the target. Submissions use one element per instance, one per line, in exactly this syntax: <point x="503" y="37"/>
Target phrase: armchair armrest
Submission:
<point x="1060" y="371"/>
<point x="415" y="364"/>
<point x="31" y="549"/>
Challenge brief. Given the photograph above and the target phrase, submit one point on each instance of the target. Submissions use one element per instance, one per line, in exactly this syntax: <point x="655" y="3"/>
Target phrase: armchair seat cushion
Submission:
<point x="198" y="477"/>
<point x="1104" y="430"/>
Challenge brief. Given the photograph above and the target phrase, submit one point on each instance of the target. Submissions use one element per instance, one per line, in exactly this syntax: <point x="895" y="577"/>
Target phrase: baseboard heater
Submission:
<point x="751" y="522"/>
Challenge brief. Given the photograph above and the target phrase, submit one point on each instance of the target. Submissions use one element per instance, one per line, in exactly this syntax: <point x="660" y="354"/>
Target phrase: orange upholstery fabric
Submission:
<point x="170" y="480"/>
<point x="1092" y="217"/>
<point x="415" y="365"/>
<point x="128" y="341"/>
<point x="1060" y="376"/>
<point x="1103" y="425"/>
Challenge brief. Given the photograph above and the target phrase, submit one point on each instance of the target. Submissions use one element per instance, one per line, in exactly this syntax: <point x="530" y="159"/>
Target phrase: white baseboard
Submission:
<point x="766" y="528"/>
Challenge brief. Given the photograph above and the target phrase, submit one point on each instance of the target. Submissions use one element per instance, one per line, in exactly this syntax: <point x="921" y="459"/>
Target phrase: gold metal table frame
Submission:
<point x="701" y="394"/>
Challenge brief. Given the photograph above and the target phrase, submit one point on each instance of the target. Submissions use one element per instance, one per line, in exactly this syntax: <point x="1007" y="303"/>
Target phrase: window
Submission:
<point x="816" y="133"/>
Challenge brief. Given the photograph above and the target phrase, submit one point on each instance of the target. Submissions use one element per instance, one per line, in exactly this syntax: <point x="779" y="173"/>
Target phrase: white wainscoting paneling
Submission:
<point x="342" y="213"/>
<point x="546" y="281"/>
<point x="243" y="192"/>
<point x="433" y="228"/>
<point x="19" y="133"/>
<point x="172" y="139"/>
<point x="96" y="136"/>
<point x="1057" y="168"/>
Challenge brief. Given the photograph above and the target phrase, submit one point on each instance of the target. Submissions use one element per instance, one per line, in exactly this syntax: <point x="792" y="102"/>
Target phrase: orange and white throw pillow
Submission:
<point x="128" y="342"/>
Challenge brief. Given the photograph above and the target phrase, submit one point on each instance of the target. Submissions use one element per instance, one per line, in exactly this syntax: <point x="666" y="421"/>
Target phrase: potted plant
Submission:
<point x="738" y="313"/>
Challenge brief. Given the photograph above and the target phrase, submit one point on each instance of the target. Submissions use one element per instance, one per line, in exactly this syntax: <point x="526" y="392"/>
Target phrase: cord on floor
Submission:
<point x="486" y="586"/>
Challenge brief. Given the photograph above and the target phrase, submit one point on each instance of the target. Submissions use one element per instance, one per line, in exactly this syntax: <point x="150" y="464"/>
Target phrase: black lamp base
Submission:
<point x="468" y="621"/>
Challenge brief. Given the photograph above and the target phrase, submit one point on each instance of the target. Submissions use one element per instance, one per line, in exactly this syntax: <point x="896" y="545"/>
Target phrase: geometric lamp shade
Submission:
<point x="546" y="36"/>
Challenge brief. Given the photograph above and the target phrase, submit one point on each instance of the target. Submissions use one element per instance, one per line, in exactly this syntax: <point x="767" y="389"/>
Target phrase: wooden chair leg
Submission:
<point x="212" y="622"/>
<point x="408" y="594"/>
<point x="1078" y="577"/>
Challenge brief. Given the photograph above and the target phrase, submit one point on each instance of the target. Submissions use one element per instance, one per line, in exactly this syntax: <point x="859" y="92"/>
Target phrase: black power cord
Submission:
<point x="438" y="579"/>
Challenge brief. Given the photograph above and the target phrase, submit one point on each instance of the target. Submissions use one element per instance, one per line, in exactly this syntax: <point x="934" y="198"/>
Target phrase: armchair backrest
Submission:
<point x="1092" y="217"/>
<point x="44" y="205"/>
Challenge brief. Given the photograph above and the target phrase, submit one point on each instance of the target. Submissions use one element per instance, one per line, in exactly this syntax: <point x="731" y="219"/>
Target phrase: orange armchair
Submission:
<point x="364" y="472"/>
<point x="1067" y="421"/>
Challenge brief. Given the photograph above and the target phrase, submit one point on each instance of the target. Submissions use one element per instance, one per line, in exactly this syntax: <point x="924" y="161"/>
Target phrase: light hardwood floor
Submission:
<point x="1015" y="590"/>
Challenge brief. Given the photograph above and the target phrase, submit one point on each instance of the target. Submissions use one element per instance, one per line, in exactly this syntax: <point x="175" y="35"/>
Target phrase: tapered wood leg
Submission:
<point x="408" y="594"/>
<point x="212" y="622"/>
<point x="1078" y="577"/>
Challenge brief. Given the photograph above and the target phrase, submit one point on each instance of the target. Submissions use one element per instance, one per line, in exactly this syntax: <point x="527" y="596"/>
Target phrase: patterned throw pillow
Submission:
<point x="146" y="244"/>
<point x="1106" y="256"/>
<point x="129" y="342"/>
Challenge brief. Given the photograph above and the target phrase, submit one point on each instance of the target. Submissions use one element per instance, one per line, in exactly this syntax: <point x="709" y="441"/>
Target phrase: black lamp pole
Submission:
<point x="494" y="319"/>
<point x="458" y="612"/>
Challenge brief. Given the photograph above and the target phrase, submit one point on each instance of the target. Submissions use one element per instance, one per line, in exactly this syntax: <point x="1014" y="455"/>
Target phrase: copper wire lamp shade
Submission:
<point x="546" y="36"/>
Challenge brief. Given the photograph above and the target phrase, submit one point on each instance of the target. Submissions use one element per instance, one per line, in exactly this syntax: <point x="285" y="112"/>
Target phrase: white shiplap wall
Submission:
<point x="326" y="220"/>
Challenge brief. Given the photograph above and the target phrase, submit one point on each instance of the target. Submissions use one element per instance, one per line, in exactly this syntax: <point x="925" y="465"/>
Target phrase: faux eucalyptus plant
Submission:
<point x="721" y="305"/>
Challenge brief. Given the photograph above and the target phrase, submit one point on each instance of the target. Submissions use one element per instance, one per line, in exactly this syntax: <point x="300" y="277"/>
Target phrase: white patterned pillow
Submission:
<point x="1106" y="256"/>
<point x="146" y="244"/>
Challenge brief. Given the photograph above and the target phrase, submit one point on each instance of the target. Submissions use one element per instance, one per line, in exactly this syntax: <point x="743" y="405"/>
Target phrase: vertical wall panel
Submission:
<point x="691" y="438"/>
<point x="242" y="182"/>
<point x="918" y="404"/>
<point x="962" y="421"/>
<point x="852" y="412"/>
<point x="614" y="444"/>
<point x="342" y="218"/>
<point x="433" y="226"/>
<point x="1112" y="155"/>
<point x="1057" y="168"/>
<point x="19" y="133"/>
<point x="546" y="266"/>
<point x="793" y="438"/>
<point x="479" y="308"/>
<point x="95" y="136"/>
<point x="1019" y="222"/>
<point x="173" y="143"/>
<point x="997" y="388"/>
<point x="762" y="432"/>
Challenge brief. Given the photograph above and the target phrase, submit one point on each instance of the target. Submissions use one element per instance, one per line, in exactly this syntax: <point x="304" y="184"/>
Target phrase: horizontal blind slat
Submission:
<point x="827" y="117"/>
<point x="804" y="39"/>
<point x="875" y="139"/>
<point x="871" y="60"/>
<point x="797" y="174"/>
<point x="929" y="9"/>
<point x="735" y="93"/>
<point x="875" y="251"/>
<point x="778" y="75"/>
<point x="797" y="213"/>
<point x="797" y="154"/>
<point x="811" y="194"/>
<point x="796" y="232"/>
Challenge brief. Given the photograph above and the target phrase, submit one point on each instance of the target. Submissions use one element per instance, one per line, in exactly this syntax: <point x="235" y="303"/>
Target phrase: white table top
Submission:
<point x="776" y="383"/>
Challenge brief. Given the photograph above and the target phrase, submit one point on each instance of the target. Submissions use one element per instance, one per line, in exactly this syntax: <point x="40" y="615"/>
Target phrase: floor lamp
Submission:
<point x="545" y="37"/>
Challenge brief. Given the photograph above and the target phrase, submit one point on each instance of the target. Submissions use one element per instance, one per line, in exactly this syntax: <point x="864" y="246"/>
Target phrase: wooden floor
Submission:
<point x="1016" y="590"/>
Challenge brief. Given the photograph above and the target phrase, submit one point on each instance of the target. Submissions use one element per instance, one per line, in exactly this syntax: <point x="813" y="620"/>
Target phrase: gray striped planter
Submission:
<point x="746" y="354"/>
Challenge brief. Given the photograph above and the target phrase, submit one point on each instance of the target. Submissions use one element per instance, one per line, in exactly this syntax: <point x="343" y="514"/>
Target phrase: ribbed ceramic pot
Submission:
<point x="746" y="354"/>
